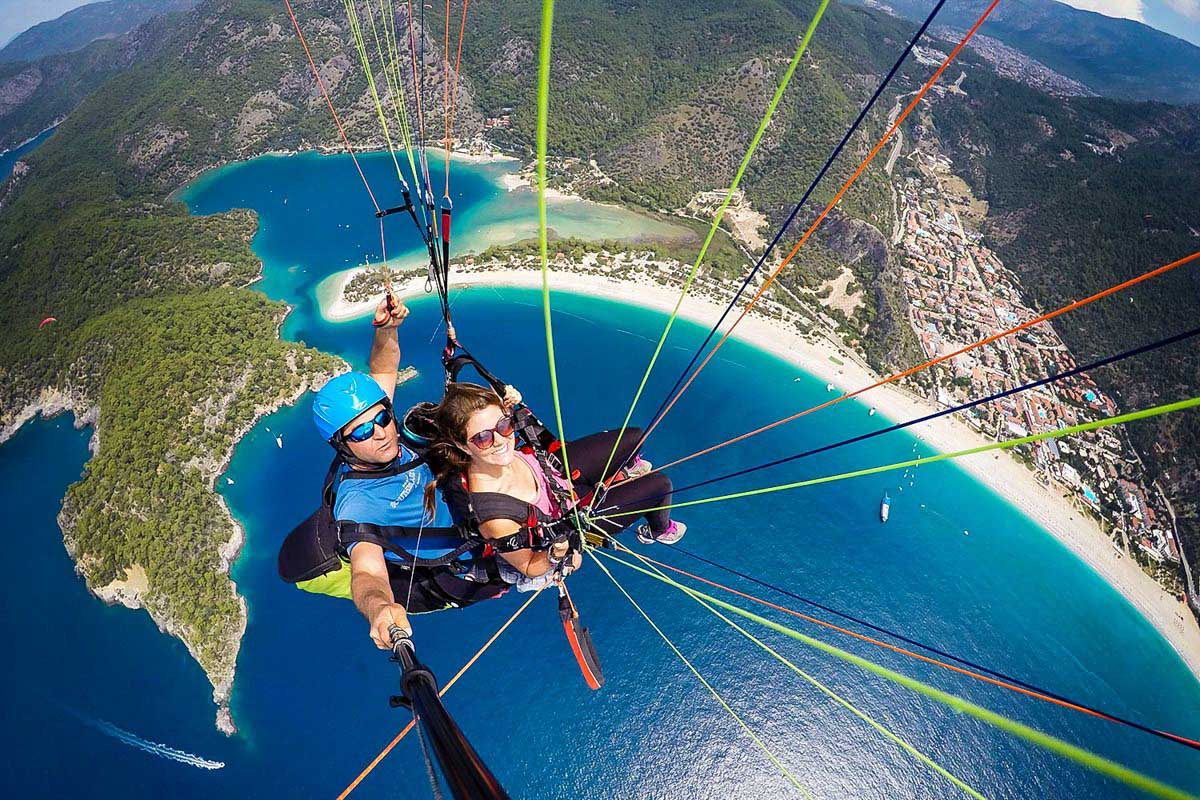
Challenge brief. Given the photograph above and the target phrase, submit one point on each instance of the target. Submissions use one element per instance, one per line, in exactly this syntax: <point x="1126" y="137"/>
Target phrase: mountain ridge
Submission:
<point x="661" y="101"/>
<point x="1118" y="58"/>
<point x="79" y="27"/>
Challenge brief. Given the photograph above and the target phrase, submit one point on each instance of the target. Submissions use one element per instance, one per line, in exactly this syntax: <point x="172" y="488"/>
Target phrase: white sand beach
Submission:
<point x="1050" y="509"/>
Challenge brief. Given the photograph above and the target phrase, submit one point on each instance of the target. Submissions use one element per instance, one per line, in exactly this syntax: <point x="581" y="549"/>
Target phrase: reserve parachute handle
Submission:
<point x="461" y="767"/>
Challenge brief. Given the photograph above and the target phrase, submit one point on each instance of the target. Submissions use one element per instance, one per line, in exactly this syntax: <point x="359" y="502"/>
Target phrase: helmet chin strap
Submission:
<point x="362" y="465"/>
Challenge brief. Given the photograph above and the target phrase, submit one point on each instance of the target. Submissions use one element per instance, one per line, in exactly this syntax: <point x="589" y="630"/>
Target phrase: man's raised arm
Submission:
<point x="384" y="362"/>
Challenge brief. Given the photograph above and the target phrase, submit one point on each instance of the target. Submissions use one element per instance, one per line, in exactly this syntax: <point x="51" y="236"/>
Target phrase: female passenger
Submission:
<point x="476" y="447"/>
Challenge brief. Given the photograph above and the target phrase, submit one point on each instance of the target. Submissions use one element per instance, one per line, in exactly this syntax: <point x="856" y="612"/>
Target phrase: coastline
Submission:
<point x="42" y="132"/>
<point x="211" y="170"/>
<point x="131" y="591"/>
<point x="1001" y="472"/>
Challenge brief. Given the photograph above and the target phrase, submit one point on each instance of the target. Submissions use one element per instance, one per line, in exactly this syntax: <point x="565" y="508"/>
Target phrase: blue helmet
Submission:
<point x="343" y="399"/>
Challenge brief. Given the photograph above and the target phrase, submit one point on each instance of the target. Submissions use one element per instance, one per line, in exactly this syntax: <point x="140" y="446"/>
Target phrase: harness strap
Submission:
<point x="385" y="472"/>
<point x="350" y="532"/>
<point x="535" y="533"/>
<point x="454" y="364"/>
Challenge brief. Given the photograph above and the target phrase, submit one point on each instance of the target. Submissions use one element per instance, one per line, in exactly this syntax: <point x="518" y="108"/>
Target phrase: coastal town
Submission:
<point x="958" y="293"/>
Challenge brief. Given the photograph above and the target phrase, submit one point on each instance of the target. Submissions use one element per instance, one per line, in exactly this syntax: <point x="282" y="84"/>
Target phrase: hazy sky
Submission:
<point x="1178" y="17"/>
<point x="20" y="15"/>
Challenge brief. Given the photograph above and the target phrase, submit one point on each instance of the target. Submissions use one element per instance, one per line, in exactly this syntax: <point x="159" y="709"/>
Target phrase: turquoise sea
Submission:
<point x="311" y="691"/>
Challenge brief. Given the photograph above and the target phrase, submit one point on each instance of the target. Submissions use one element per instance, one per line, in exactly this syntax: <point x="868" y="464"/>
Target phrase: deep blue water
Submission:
<point x="10" y="157"/>
<point x="311" y="689"/>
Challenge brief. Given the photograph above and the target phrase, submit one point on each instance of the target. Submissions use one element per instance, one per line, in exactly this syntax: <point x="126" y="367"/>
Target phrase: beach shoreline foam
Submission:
<point x="1001" y="472"/>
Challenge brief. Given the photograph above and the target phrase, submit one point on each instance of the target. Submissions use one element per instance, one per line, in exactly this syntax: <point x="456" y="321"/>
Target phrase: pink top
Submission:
<point x="544" y="501"/>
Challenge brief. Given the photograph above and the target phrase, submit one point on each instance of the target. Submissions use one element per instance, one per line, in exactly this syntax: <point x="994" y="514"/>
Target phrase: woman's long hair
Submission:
<point x="447" y="454"/>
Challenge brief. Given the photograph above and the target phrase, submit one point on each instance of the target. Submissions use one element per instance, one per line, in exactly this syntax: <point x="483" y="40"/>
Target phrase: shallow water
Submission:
<point x="311" y="690"/>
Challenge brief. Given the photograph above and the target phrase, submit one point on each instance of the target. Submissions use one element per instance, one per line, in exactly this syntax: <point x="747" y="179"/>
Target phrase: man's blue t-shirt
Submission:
<point x="399" y="500"/>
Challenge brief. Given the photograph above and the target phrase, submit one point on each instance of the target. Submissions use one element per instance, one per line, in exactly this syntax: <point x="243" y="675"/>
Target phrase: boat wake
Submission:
<point x="147" y="746"/>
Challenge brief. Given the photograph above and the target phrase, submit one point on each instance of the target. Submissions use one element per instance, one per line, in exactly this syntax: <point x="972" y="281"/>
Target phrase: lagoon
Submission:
<point x="311" y="691"/>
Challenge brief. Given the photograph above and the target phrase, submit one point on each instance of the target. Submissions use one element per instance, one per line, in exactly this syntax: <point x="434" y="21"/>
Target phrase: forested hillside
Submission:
<point x="171" y="367"/>
<point x="1113" y="57"/>
<point x="35" y="95"/>
<point x="154" y="322"/>
<point x="1086" y="193"/>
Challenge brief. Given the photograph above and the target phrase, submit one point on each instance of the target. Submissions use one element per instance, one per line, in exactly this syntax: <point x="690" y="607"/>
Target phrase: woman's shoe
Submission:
<point x="671" y="535"/>
<point x="638" y="468"/>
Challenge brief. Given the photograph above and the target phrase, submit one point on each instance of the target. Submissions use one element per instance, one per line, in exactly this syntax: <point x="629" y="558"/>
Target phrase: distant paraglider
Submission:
<point x="46" y="322"/>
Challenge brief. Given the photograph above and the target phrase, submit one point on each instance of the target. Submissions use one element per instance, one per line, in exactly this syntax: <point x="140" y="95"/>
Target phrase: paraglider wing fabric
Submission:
<point x="581" y="643"/>
<point x="585" y="652"/>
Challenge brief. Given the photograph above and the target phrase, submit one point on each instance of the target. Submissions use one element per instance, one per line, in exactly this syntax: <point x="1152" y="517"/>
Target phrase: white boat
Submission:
<point x="885" y="508"/>
<point x="279" y="441"/>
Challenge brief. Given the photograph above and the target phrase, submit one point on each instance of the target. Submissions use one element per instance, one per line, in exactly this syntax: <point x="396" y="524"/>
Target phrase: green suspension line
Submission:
<point x="360" y="45"/>
<point x="837" y="698"/>
<point x="1005" y="445"/>
<point x="543" y="113"/>
<point x="737" y="178"/>
<point x="729" y="709"/>
<point x="1049" y="743"/>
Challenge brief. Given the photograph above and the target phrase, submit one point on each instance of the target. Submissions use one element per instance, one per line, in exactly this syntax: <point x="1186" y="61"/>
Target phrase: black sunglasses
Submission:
<point x="365" y="430"/>
<point x="485" y="439"/>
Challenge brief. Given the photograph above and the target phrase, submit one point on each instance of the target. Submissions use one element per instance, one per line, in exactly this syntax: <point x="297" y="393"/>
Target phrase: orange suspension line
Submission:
<point x="325" y="94"/>
<point x="905" y="652"/>
<point x="845" y="187"/>
<point x="1145" y="276"/>
<point x="392" y="744"/>
<point x="387" y="282"/>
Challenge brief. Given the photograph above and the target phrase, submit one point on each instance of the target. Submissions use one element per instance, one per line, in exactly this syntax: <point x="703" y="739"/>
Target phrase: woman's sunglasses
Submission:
<point x="365" y="430"/>
<point x="485" y="439"/>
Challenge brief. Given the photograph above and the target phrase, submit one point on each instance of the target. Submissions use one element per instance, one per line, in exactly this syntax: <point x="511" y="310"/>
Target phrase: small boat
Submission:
<point x="279" y="441"/>
<point x="829" y="387"/>
<point x="229" y="481"/>
<point x="871" y="413"/>
<point x="885" y="508"/>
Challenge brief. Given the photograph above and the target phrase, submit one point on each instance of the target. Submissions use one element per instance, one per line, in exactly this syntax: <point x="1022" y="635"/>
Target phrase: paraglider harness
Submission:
<point x="538" y="531"/>
<point x="314" y="556"/>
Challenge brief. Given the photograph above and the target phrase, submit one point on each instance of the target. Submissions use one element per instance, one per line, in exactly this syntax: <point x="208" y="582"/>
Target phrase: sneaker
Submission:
<point x="671" y="535"/>
<point x="638" y="468"/>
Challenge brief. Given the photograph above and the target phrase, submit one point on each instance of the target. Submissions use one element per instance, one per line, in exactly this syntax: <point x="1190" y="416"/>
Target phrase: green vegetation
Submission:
<point x="1111" y="56"/>
<point x="179" y="378"/>
<point x="79" y="27"/>
<point x="157" y="330"/>
<point x="666" y="97"/>
<point x="153" y="329"/>
<point x="1086" y="193"/>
